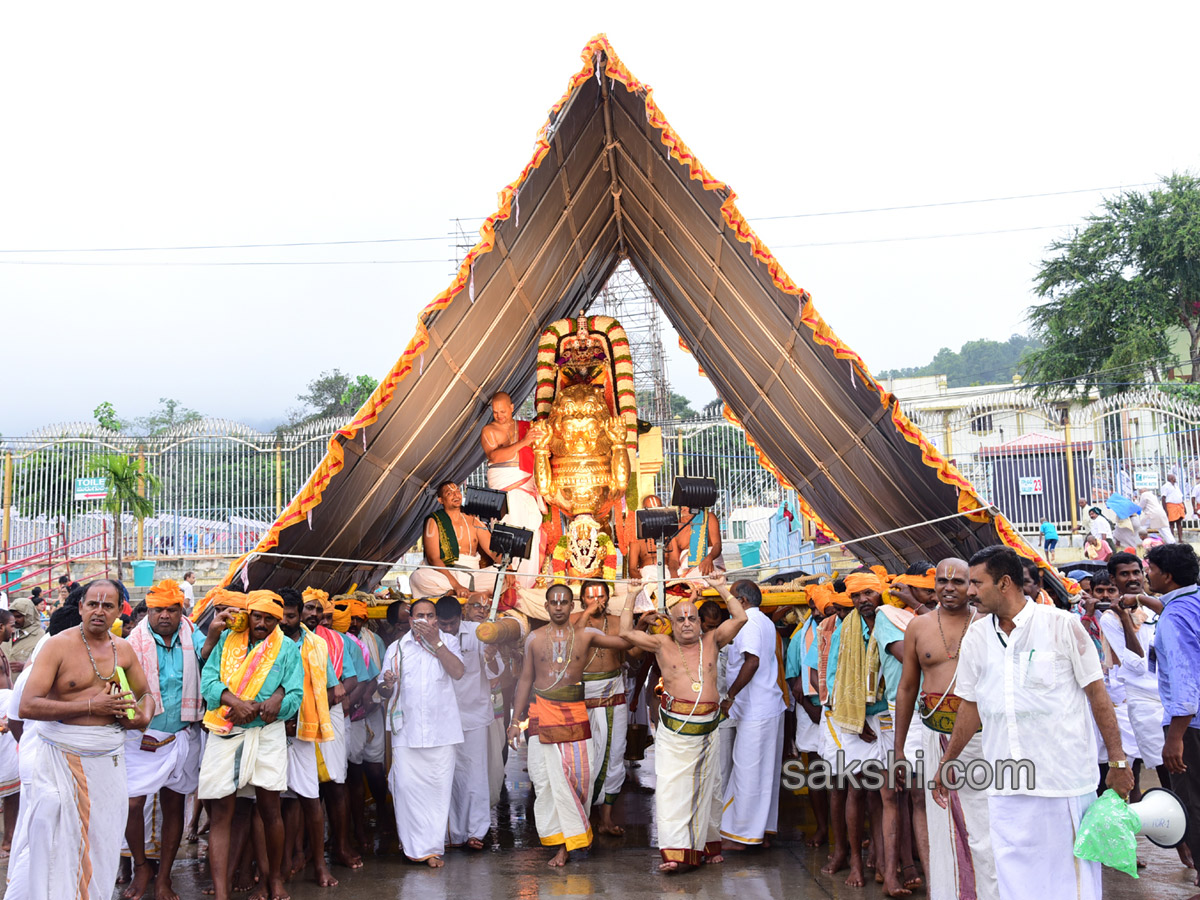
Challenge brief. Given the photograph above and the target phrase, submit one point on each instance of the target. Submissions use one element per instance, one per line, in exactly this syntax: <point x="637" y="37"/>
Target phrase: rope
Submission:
<point x="772" y="564"/>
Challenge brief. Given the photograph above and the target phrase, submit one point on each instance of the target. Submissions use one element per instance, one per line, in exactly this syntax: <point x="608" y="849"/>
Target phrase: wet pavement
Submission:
<point x="513" y="864"/>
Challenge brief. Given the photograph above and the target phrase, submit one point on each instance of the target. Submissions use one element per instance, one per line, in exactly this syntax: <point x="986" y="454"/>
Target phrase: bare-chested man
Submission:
<point x="508" y="444"/>
<point x="604" y="694"/>
<point x="452" y="538"/>
<point x="86" y="688"/>
<point x="562" y="756"/>
<point x="687" y="758"/>
<point x="931" y="645"/>
<point x="696" y="550"/>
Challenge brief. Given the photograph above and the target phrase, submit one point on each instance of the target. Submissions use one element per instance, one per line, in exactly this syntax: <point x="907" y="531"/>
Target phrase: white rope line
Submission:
<point x="772" y="564"/>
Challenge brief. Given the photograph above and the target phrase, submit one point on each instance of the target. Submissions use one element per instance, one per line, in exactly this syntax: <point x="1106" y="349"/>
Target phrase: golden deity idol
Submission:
<point x="587" y="418"/>
<point x="580" y="461"/>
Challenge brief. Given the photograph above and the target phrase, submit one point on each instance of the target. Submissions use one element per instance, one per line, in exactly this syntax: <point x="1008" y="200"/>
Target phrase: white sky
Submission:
<point x="129" y="125"/>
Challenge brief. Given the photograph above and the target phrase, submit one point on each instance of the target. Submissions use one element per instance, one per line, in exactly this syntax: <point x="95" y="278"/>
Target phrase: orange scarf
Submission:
<point x="312" y="723"/>
<point x="243" y="673"/>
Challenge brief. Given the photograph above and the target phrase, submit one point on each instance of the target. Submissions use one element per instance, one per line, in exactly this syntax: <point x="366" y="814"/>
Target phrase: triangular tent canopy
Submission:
<point x="610" y="179"/>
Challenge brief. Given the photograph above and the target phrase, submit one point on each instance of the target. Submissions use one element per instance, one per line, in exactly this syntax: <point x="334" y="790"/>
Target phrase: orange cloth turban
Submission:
<point x="165" y="593"/>
<point x="267" y="602"/>
<point x="358" y="609"/>
<point x="925" y="581"/>
<point x="235" y="599"/>
<point x="821" y="596"/>
<point x="312" y="595"/>
<point x="863" y="581"/>
<point x="341" y="616"/>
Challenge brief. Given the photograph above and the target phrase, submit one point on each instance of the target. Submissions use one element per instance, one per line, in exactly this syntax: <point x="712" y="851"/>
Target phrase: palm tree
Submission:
<point x="121" y="477"/>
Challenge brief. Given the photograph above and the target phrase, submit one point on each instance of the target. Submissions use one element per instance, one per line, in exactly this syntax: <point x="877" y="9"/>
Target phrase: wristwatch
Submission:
<point x="1119" y="764"/>
<point x="439" y="645"/>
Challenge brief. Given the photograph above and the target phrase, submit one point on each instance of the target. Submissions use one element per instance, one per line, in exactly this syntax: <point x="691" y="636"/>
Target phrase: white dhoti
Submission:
<point x="808" y="732"/>
<point x="470" y="809"/>
<point x="751" y="802"/>
<point x="497" y="741"/>
<point x="429" y="582"/>
<point x="10" y="763"/>
<point x="332" y="755"/>
<point x="960" y="844"/>
<point x="524" y="511"/>
<point x="303" y="779"/>
<point x="244" y="758"/>
<point x="421" y="780"/>
<point x="853" y="749"/>
<point x="364" y="740"/>
<point x="74" y="815"/>
<point x="158" y="759"/>
<point x="1145" y="719"/>
<point x="1033" y="841"/>
<point x="687" y="769"/>
<point x="562" y="781"/>
<point x="608" y="715"/>
<point x="152" y="822"/>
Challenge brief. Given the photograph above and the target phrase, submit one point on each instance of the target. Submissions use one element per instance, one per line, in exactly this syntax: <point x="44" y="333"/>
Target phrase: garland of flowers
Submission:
<point x="606" y="554"/>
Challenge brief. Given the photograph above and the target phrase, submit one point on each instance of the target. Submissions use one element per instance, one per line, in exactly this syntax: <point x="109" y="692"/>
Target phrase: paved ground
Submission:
<point x="513" y="865"/>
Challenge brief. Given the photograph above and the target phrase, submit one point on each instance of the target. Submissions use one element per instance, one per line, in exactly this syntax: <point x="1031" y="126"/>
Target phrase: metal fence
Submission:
<point x="1060" y="456"/>
<point x="222" y="483"/>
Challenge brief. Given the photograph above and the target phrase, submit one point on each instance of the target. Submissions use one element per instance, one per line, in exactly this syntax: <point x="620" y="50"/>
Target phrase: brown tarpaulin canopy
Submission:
<point x="611" y="180"/>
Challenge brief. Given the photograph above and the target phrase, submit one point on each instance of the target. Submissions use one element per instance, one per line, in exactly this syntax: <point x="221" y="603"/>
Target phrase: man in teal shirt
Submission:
<point x="163" y="761"/>
<point x="253" y="682"/>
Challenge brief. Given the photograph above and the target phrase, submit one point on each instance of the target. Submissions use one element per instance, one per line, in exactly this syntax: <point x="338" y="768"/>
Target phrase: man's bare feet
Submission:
<point x="817" y="840"/>
<point x="243" y="882"/>
<point x="560" y="858"/>
<point x="612" y="828"/>
<point x="163" y="889"/>
<point x="474" y="844"/>
<point x="435" y="862"/>
<point x="322" y="876"/>
<point x="892" y="886"/>
<point x="123" y="870"/>
<point x="714" y="859"/>
<point x="855" y="878"/>
<point x="259" y="892"/>
<point x="1185" y="856"/>
<point x="727" y="846"/>
<point x="913" y="881"/>
<point x="278" y="890"/>
<point x="141" y="881"/>
<point x="836" y="863"/>
<point x="349" y="860"/>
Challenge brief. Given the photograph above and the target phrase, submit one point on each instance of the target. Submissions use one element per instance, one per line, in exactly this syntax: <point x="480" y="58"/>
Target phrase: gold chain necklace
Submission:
<point x="698" y="684"/>
<point x="945" y="645"/>
<point x="92" y="659"/>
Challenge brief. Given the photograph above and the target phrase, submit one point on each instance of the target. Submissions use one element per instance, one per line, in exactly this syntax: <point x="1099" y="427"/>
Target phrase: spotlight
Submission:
<point x="486" y="503"/>
<point x="694" y="493"/>
<point x="657" y="524"/>
<point x="511" y="543"/>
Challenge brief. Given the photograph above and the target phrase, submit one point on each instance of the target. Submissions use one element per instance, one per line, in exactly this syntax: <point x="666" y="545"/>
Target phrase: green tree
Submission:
<point x="976" y="362"/>
<point x="1116" y="289"/>
<point x="106" y="417"/>
<point x="122" y="481"/>
<point x="681" y="406"/>
<point x="170" y="413"/>
<point x="332" y="393"/>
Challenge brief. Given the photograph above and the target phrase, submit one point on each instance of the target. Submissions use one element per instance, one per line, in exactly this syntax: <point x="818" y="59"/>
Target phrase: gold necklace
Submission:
<point x="698" y="684"/>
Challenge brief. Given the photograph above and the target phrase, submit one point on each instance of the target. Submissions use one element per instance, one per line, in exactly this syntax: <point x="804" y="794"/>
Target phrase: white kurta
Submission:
<point x="1028" y="687"/>
<point x="425" y="728"/>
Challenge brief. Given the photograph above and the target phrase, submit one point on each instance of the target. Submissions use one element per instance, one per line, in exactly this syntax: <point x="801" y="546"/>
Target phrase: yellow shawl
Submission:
<point x="850" y="680"/>
<point x="243" y="673"/>
<point x="312" y="723"/>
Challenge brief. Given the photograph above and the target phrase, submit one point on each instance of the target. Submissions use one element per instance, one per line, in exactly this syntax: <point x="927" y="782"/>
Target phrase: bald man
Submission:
<point x="945" y="838"/>
<point x="508" y="444"/>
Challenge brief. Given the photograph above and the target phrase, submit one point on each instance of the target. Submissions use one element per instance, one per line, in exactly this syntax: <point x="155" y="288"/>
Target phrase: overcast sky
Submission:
<point x="159" y="125"/>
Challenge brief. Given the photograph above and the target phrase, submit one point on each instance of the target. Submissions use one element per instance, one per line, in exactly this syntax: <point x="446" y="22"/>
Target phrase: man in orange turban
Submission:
<point x="163" y="761"/>
<point x="253" y="682"/>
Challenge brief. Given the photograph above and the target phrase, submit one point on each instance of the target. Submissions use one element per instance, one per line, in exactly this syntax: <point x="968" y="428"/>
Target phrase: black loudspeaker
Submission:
<point x="659" y="523"/>
<point x="694" y="493"/>
<point x="515" y="542"/>
<point x="486" y="503"/>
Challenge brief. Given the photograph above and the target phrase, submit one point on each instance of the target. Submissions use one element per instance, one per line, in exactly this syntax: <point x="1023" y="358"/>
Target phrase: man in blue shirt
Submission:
<point x="1171" y="570"/>
<point x="163" y="761"/>
<point x="253" y="682"/>
<point x="1049" y="538"/>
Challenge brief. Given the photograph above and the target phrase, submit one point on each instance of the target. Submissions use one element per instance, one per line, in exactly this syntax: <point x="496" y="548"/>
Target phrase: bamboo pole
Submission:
<point x="141" y="524"/>
<point x="8" y="489"/>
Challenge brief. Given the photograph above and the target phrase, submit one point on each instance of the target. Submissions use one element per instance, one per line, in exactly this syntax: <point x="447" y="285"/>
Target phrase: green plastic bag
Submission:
<point x="1108" y="834"/>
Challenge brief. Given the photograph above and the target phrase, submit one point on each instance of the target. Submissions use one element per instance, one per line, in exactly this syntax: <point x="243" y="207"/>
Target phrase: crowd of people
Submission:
<point x="281" y="714"/>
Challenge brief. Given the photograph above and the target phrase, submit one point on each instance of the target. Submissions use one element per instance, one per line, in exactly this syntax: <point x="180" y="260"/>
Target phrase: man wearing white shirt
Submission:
<point x="470" y="800"/>
<point x="1030" y="674"/>
<point x="419" y="672"/>
<point x="1172" y="498"/>
<point x="755" y="703"/>
<point x="1099" y="527"/>
<point x="189" y="595"/>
